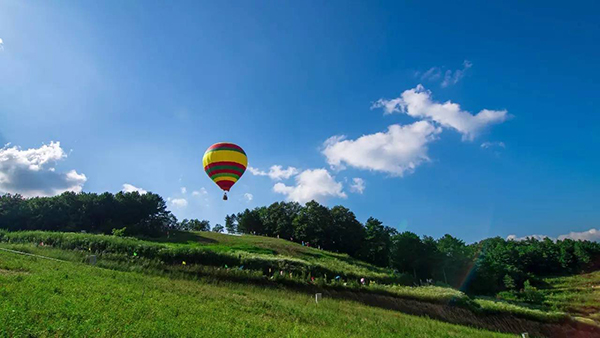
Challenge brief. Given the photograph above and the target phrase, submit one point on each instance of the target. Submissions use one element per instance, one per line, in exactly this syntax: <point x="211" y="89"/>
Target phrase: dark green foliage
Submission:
<point x="142" y="214"/>
<point x="218" y="228"/>
<point x="230" y="224"/>
<point x="346" y="234"/>
<point x="378" y="242"/>
<point x="119" y="232"/>
<point x="311" y="224"/>
<point x="194" y="225"/>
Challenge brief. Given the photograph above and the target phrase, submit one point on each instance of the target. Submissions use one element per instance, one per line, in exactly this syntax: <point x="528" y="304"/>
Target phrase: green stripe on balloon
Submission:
<point x="221" y="167"/>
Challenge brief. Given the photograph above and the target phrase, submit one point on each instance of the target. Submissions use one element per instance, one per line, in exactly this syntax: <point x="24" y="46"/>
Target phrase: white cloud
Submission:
<point x="518" y="239"/>
<point x="256" y="172"/>
<point x="200" y="192"/>
<point x="276" y="172"/>
<point x="589" y="235"/>
<point x="31" y="172"/>
<point x="417" y="103"/>
<point x="358" y="185"/>
<point x="248" y="197"/>
<point x="1" y="44"/>
<point x="398" y="151"/>
<point x="486" y="145"/>
<point x="183" y="190"/>
<point x="178" y="202"/>
<point x="433" y="74"/>
<point x="311" y="184"/>
<point x="131" y="188"/>
<point x="451" y="77"/>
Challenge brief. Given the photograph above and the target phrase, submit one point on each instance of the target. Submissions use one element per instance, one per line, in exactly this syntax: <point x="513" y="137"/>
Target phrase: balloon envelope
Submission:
<point x="225" y="163"/>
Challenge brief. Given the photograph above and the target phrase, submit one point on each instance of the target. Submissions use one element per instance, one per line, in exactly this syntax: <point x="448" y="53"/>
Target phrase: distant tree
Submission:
<point x="249" y="222"/>
<point x="145" y="214"/>
<point x="218" y="228"/>
<point x="278" y="219"/>
<point x="346" y="234"/>
<point x="231" y="224"/>
<point x="194" y="225"/>
<point x="454" y="260"/>
<point x="378" y="242"/>
<point x="407" y="253"/>
<point x="310" y="224"/>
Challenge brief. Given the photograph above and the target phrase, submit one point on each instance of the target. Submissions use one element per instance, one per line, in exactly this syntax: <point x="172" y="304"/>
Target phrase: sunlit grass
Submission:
<point x="579" y="294"/>
<point x="66" y="299"/>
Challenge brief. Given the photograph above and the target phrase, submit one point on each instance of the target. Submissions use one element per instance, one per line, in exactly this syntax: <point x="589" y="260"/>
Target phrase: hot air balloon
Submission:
<point x="225" y="163"/>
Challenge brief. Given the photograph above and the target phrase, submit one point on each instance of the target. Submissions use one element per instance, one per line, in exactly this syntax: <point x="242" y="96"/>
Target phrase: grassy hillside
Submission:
<point x="268" y="255"/>
<point x="63" y="299"/>
<point x="258" y="266"/>
<point x="579" y="295"/>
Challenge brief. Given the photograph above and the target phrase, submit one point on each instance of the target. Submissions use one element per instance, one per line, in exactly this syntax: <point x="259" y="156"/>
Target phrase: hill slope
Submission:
<point x="579" y="295"/>
<point x="64" y="299"/>
<point x="261" y="267"/>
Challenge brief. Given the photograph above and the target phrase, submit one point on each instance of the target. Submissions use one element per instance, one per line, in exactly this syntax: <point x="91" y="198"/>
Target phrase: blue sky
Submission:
<point x="136" y="91"/>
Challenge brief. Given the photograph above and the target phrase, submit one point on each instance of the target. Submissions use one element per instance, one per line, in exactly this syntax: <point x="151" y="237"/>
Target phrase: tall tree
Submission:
<point x="310" y="223"/>
<point x="378" y="242"/>
<point x="346" y="234"/>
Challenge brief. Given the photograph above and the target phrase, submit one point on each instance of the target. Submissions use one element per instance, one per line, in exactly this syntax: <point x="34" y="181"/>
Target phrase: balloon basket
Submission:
<point x="225" y="197"/>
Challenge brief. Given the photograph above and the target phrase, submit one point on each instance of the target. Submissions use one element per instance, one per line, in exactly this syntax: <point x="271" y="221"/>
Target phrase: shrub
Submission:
<point x="119" y="232"/>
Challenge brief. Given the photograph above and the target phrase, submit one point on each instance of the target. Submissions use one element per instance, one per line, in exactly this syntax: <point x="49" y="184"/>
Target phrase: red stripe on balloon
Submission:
<point x="225" y="185"/>
<point x="226" y="145"/>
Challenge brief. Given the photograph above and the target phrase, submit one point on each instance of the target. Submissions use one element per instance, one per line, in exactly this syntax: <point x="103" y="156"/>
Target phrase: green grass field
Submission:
<point x="44" y="298"/>
<point x="238" y="286"/>
<point x="578" y="295"/>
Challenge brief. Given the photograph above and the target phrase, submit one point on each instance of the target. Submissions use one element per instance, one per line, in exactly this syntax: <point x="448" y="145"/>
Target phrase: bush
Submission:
<point x="119" y="232"/>
<point x="531" y="294"/>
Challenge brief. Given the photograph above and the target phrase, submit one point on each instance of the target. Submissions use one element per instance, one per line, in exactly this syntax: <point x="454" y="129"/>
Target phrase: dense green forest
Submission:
<point x="490" y="266"/>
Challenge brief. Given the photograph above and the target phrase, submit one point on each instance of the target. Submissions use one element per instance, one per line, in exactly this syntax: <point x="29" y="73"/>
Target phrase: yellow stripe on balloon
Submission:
<point x="227" y="178"/>
<point x="224" y="156"/>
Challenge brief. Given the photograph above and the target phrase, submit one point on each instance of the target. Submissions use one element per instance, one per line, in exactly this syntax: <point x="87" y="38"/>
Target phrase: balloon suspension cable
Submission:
<point x="225" y="196"/>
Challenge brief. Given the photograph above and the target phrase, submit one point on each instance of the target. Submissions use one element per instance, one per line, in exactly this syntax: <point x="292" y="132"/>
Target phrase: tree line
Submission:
<point x="133" y="213"/>
<point x="485" y="267"/>
<point x="488" y="266"/>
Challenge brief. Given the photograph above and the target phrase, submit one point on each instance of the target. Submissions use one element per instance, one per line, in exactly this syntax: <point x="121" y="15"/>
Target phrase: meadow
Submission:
<point x="261" y="265"/>
<point x="44" y="298"/>
<point x="578" y="295"/>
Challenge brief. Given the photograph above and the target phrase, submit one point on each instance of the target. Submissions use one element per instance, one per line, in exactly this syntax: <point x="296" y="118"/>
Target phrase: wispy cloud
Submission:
<point x="276" y="172"/>
<point x="448" y="77"/>
<point x="486" y="145"/>
<point x="452" y="77"/>
<point x="592" y="235"/>
<point x="184" y="190"/>
<point x="357" y="185"/>
<point x="201" y="192"/>
<point x="248" y="197"/>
